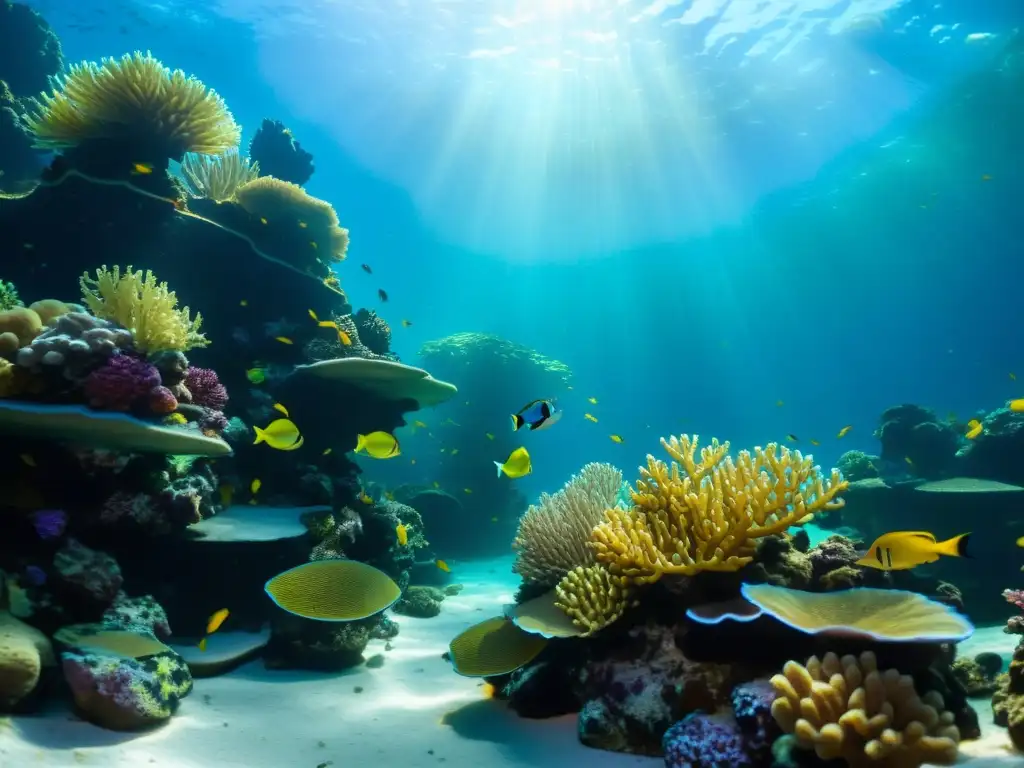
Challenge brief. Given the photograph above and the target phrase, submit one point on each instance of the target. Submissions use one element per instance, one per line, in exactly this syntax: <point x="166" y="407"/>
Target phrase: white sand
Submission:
<point x="253" y="718"/>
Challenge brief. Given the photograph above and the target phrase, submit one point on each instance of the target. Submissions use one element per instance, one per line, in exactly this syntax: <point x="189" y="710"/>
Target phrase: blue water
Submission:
<point x="637" y="189"/>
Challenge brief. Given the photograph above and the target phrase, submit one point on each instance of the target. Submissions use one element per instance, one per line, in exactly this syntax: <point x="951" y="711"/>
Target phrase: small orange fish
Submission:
<point x="443" y="566"/>
<point x="142" y="169"/>
<point x="974" y="428"/>
<point x="407" y="323"/>
<point x="845" y="431"/>
<point x="403" y="534"/>
<point x="590" y="417"/>
<point x="283" y="339"/>
<point x="616" y="439"/>
<point x="792" y="438"/>
<point x="213" y="625"/>
<point x="1017" y="406"/>
<point x="383" y="294"/>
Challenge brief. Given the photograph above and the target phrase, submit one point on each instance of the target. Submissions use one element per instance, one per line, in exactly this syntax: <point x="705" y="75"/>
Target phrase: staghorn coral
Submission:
<point x="554" y="535"/>
<point x="708" y="516"/>
<point x="273" y="199"/>
<point x="134" y="97"/>
<point x="592" y="597"/>
<point x="847" y="708"/>
<point x="145" y="307"/>
<point x="215" y="177"/>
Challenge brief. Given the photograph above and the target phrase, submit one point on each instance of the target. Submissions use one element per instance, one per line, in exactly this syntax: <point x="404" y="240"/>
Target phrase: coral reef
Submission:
<point x="30" y="52"/>
<point x="279" y="154"/>
<point x="217" y="177"/>
<point x="847" y="708"/>
<point x="915" y="436"/>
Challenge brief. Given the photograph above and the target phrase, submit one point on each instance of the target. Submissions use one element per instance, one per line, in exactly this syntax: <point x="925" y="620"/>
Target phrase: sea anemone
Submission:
<point x="134" y="97"/>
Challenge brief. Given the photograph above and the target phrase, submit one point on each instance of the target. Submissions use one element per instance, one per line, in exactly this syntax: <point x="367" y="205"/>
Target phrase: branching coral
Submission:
<point x="707" y="516"/>
<point x="554" y="535"/>
<point x="272" y="198"/>
<point x="147" y="308"/>
<point x="593" y="597"/>
<point x="846" y="708"/>
<point x="134" y="97"/>
<point x="217" y="177"/>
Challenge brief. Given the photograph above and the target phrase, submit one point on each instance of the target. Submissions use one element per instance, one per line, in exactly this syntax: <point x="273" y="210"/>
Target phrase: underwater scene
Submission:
<point x="511" y="383"/>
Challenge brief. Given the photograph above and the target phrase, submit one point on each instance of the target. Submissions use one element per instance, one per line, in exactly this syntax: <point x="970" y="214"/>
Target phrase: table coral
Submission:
<point x="708" y="516"/>
<point x="847" y="708"/>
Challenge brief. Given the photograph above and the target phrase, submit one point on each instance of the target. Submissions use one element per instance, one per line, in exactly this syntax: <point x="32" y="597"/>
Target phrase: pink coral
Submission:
<point x="120" y="383"/>
<point x="1014" y="597"/>
<point x="206" y="388"/>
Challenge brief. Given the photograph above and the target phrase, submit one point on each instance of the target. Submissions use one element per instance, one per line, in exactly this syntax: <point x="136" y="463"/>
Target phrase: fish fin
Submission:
<point x="260" y="436"/>
<point x="954" y="547"/>
<point x="202" y="644"/>
<point x="296" y="445"/>
<point x="360" y="442"/>
<point x="500" y="467"/>
<point x="517" y="422"/>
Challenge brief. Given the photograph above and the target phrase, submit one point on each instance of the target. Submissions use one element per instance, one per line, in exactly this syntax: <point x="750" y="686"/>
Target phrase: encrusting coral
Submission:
<point x="147" y="308"/>
<point x="554" y="534"/>
<point x="133" y="97"/>
<point x="708" y="516"/>
<point x="847" y="708"/>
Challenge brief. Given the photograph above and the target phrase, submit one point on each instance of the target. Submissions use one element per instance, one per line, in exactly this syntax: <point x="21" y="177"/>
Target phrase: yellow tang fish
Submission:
<point x="974" y="428"/>
<point x="437" y="484"/>
<point x="443" y="566"/>
<point x="590" y="417"/>
<point x="419" y="424"/>
<point x="1017" y="406"/>
<point x="281" y="434"/>
<point x="902" y="550"/>
<point x="407" y="323"/>
<point x="256" y="375"/>
<point x="845" y="431"/>
<point x="1013" y="376"/>
<point x="243" y="303"/>
<point x="142" y="169"/>
<point x="616" y="439"/>
<point x="403" y="534"/>
<point x="255" y="485"/>
<point x="281" y="409"/>
<point x="489" y="435"/>
<point x="227" y="493"/>
<point x="213" y="625"/>
<point x="455" y="452"/>
<point x="365" y="498"/>
<point x="327" y="452"/>
<point x="592" y="400"/>
<point x="379" y="445"/>
<point x="283" y="339"/>
<point x="516" y="465"/>
<point x="1020" y="541"/>
<point x="792" y="438"/>
<point x="815" y="442"/>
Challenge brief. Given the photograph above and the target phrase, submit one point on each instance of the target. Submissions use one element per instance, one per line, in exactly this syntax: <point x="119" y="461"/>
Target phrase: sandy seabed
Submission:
<point x="412" y="712"/>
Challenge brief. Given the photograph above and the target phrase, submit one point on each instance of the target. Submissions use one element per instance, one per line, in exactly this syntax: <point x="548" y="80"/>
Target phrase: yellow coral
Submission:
<point x="846" y="708"/>
<point x="593" y="597"/>
<point x="272" y="199"/>
<point x="135" y="98"/>
<point x="143" y="306"/>
<point x="707" y="516"/>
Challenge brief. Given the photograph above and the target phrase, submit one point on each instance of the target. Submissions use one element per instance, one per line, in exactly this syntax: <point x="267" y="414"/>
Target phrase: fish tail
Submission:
<point x="517" y="422"/>
<point x="955" y="547"/>
<point x="360" y="442"/>
<point x="500" y="467"/>
<point x="260" y="436"/>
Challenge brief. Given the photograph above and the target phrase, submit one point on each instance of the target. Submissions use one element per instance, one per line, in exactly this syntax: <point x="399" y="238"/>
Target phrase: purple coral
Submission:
<point x="704" y="741"/>
<point x="49" y="523"/>
<point x="120" y="383"/>
<point x="205" y="388"/>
